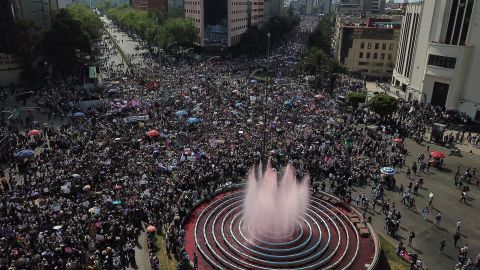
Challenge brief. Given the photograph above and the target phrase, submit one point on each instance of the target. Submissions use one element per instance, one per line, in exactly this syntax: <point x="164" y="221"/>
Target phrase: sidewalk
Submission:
<point x="373" y="88"/>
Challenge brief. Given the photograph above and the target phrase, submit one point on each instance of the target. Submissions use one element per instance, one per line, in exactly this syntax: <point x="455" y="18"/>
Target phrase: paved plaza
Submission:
<point x="446" y="201"/>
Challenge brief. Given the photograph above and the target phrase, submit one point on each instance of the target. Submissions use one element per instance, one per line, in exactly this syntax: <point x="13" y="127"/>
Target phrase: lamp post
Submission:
<point x="265" y="100"/>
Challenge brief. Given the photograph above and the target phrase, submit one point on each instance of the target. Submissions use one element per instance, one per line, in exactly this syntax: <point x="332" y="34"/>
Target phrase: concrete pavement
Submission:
<point x="446" y="201"/>
<point x="141" y="253"/>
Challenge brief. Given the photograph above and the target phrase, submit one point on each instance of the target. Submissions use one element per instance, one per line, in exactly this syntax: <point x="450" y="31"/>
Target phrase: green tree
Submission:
<point x="315" y="61"/>
<point x="321" y="36"/>
<point x="26" y="39"/>
<point x="355" y="98"/>
<point x="60" y="43"/>
<point x="383" y="104"/>
<point x="178" y="30"/>
<point x="253" y="42"/>
<point x="333" y="69"/>
<point x="89" y="20"/>
<point x="144" y="24"/>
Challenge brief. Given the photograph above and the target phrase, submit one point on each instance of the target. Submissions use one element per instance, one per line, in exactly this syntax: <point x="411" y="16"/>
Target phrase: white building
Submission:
<point x="439" y="55"/>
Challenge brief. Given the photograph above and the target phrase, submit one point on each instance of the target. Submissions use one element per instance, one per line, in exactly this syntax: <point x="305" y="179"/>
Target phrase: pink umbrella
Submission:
<point x="34" y="132"/>
<point x="151" y="229"/>
<point x="153" y="133"/>
<point x="437" y="154"/>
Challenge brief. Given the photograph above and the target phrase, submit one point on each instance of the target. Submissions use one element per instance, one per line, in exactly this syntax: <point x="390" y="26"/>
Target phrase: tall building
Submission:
<point x="150" y="5"/>
<point x="445" y="60"/>
<point x="360" y="7"/>
<point x="221" y="23"/>
<point x="175" y="5"/>
<point x="406" y="46"/>
<point x="367" y="47"/>
<point x="272" y="8"/>
<point x="39" y="12"/>
<point x="7" y="26"/>
<point x="116" y="3"/>
<point x="315" y="7"/>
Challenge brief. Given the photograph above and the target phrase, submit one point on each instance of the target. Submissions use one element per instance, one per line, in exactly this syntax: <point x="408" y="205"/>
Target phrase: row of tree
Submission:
<point x="154" y="27"/>
<point x="72" y="31"/>
<point x="140" y="22"/>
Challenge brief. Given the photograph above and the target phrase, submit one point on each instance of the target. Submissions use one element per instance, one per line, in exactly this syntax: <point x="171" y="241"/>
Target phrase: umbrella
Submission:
<point x="388" y="171"/>
<point x="87" y="187"/>
<point x="116" y="202"/>
<point x="398" y="140"/>
<point x="75" y="175"/>
<point x="79" y="114"/>
<point x="25" y="153"/>
<point x="34" y="132"/>
<point x="181" y="113"/>
<point x="151" y="229"/>
<point x="153" y="133"/>
<point x="319" y="96"/>
<point x="437" y="154"/>
<point x="238" y="105"/>
<point x="94" y="210"/>
<point x="193" y="120"/>
<point x="288" y="103"/>
<point x="58" y="227"/>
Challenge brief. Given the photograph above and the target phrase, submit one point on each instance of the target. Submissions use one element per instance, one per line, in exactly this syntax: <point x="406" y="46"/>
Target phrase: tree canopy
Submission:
<point x="178" y="30"/>
<point x="317" y="62"/>
<point x="383" y="104"/>
<point x="140" y="22"/>
<point x="26" y="39"/>
<point x="65" y="36"/>
<point x="254" y="40"/>
<point x="321" y="36"/>
<point x="355" y="98"/>
<point x="89" y="20"/>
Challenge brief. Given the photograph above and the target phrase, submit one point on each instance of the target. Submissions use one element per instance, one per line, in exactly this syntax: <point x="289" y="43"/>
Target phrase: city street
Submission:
<point x="446" y="201"/>
<point x="127" y="44"/>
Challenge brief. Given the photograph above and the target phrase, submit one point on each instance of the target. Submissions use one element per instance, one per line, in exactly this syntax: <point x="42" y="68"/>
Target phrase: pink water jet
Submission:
<point x="272" y="206"/>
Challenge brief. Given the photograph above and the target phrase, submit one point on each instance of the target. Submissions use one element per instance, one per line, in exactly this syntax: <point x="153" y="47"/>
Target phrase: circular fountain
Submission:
<point x="265" y="226"/>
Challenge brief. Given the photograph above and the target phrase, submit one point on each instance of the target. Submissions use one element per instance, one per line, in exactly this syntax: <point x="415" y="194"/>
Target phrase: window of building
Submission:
<point x="361" y="55"/>
<point x="442" y="61"/>
<point x="389" y="56"/>
<point x="375" y="55"/>
<point x="377" y="46"/>
<point x="368" y="55"/>
<point x="391" y="47"/>
<point x="384" y="46"/>
<point x="382" y="56"/>
<point x="369" y="45"/>
<point x="361" y="63"/>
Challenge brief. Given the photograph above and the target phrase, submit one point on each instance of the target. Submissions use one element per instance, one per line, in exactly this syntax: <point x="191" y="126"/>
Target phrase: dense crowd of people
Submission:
<point x="166" y="137"/>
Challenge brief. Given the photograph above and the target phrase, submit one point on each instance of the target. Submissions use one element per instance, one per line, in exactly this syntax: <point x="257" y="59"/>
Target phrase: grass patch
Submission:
<point x="388" y="257"/>
<point x="167" y="262"/>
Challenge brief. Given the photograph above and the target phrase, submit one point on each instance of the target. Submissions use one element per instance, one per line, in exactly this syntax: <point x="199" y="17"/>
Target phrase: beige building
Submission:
<point x="221" y="23"/>
<point x="368" y="48"/>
